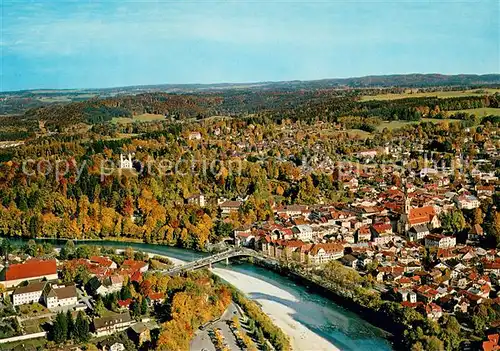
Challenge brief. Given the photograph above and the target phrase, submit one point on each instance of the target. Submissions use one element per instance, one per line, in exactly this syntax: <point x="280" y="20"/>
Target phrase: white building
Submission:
<point x="28" y="294"/>
<point x="408" y="295"/>
<point x="418" y="232"/>
<point x="194" y="136"/>
<point x="467" y="202"/>
<point x="321" y="253"/>
<point x="228" y="207"/>
<point x="112" y="324"/>
<point x="60" y="296"/>
<point x="198" y="199"/>
<point x="303" y="232"/>
<point x="126" y="163"/>
<point x="427" y="172"/>
<point x="440" y="241"/>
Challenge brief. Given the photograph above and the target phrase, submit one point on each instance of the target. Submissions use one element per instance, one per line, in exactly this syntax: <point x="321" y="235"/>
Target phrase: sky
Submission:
<point x="96" y="44"/>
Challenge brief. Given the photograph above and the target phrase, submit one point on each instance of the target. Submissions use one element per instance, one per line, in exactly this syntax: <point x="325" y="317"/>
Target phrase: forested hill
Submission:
<point x="328" y="99"/>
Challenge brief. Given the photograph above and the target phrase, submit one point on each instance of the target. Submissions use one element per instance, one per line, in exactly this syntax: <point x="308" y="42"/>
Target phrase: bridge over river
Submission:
<point x="208" y="261"/>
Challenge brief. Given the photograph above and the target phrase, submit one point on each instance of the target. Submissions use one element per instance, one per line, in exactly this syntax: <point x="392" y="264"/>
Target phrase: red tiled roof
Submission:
<point x="131" y="264"/>
<point x="421" y="215"/>
<point x="103" y="261"/>
<point x="156" y="296"/>
<point x="124" y="303"/>
<point x="31" y="269"/>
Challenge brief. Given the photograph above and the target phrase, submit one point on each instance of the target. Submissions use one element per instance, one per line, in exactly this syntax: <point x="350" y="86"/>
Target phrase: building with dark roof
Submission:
<point x="28" y="294"/>
<point x="111" y="324"/>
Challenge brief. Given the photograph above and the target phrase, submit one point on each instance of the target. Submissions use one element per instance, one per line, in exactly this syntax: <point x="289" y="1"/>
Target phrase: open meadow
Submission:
<point x="438" y="94"/>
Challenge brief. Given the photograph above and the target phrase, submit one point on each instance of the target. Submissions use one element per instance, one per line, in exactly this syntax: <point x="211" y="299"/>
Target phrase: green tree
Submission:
<point x="82" y="333"/>
<point x="125" y="293"/>
<point x="135" y="309"/>
<point x="144" y="306"/>
<point x="71" y="325"/>
<point x="432" y="343"/>
<point x="99" y="307"/>
<point x="6" y="248"/>
<point x="453" y="221"/>
<point x="60" y="328"/>
<point x="68" y="250"/>
<point x="417" y="346"/>
<point x="30" y="248"/>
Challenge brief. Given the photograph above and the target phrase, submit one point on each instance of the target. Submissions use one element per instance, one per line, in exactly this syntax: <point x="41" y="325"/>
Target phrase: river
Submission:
<point x="312" y="321"/>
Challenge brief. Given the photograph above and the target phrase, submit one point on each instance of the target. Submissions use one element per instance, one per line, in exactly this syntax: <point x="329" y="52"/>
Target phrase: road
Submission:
<point x="201" y="340"/>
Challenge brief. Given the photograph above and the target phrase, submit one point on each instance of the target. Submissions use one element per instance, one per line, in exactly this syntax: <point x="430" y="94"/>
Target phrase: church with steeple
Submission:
<point x="416" y="223"/>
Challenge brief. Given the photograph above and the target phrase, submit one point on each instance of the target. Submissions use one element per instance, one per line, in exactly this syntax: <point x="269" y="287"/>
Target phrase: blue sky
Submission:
<point x="93" y="44"/>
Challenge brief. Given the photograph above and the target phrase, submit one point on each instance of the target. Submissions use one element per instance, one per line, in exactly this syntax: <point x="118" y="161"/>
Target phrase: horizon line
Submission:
<point x="252" y="83"/>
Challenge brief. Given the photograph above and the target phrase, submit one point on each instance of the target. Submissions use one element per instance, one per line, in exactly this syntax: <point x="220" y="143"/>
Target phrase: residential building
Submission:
<point x="228" y="207"/>
<point x="363" y="234"/>
<point x="418" y="232"/>
<point x="198" y="199"/>
<point x="140" y="333"/>
<point x="28" y="294"/>
<point x="111" y="324"/>
<point x="321" y="253"/>
<point x="349" y="261"/>
<point x="440" y="241"/>
<point x="467" y="202"/>
<point x="103" y="262"/>
<point x="303" y="232"/>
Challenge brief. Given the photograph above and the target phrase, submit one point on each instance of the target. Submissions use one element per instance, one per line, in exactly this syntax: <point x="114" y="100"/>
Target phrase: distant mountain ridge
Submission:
<point x="383" y="81"/>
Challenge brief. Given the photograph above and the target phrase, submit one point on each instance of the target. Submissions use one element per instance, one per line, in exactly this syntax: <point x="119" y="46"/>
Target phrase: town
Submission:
<point x="370" y="213"/>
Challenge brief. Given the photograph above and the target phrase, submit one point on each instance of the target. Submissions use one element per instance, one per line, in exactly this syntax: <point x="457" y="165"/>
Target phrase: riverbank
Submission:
<point x="280" y="306"/>
<point x="319" y="286"/>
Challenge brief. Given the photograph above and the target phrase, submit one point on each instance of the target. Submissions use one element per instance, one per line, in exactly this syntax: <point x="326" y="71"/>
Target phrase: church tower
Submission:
<point x="404" y="221"/>
<point x="407" y="204"/>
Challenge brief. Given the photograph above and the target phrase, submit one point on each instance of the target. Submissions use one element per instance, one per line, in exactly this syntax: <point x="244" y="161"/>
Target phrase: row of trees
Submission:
<point x="66" y="328"/>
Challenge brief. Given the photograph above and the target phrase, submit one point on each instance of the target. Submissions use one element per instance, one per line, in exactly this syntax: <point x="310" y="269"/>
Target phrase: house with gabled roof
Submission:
<point x="57" y="296"/>
<point x="111" y="324"/>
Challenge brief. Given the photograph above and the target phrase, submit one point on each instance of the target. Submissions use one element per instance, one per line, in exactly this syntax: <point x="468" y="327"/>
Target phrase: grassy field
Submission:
<point x="32" y="310"/>
<point x="399" y="124"/>
<point x="145" y="117"/>
<point x="439" y="94"/>
<point x="34" y="325"/>
<point x="483" y="111"/>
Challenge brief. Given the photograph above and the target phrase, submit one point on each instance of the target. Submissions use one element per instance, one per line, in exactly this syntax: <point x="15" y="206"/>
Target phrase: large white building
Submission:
<point x="126" y="162"/>
<point x="28" y="294"/>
